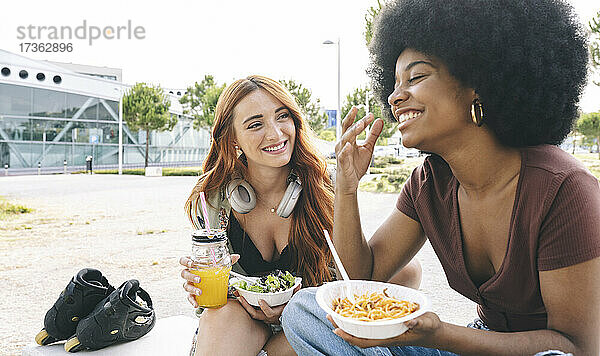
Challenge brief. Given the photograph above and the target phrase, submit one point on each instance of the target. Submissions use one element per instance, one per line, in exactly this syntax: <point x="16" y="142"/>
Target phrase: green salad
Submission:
<point x="276" y="281"/>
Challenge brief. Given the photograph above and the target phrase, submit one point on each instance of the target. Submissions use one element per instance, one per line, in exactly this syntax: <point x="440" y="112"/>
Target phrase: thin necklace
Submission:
<point x="272" y="208"/>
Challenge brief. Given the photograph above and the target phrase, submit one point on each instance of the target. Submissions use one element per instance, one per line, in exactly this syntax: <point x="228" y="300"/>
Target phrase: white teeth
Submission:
<point x="408" y="115"/>
<point x="275" y="148"/>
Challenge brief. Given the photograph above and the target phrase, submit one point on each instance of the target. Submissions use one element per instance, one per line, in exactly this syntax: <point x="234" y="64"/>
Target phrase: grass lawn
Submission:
<point x="591" y="161"/>
<point x="8" y="209"/>
<point x="390" y="174"/>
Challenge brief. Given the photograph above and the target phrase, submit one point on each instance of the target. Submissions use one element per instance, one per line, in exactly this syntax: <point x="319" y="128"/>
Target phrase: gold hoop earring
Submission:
<point x="477" y="112"/>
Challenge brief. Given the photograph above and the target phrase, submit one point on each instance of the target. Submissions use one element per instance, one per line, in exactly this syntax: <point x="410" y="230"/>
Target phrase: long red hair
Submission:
<point x="314" y="210"/>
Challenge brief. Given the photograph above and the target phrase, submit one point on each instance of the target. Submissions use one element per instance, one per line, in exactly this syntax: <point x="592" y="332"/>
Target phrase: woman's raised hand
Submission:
<point x="191" y="278"/>
<point x="353" y="159"/>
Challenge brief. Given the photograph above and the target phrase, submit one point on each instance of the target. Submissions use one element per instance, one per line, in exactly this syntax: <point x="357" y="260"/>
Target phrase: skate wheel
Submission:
<point x="73" y="345"/>
<point x="42" y="338"/>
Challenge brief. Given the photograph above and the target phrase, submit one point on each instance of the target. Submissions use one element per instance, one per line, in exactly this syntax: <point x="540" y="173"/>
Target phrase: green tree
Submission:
<point x="200" y="101"/>
<point x="589" y="126"/>
<point x="310" y="107"/>
<point x="358" y="98"/>
<point x="574" y="134"/>
<point x="374" y="107"/>
<point x="594" y="26"/>
<point x="369" y="19"/>
<point x="147" y="108"/>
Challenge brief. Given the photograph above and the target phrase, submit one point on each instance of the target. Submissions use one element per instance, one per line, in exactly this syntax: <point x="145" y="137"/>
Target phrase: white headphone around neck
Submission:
<point x="242" y="198"/>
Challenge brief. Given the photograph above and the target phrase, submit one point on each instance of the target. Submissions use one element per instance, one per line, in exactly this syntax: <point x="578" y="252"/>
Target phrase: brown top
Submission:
<point x="555" y="223"/>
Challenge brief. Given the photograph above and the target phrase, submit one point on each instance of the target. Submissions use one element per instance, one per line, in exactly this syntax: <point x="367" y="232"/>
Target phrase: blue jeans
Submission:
<point x="310" y="333"/>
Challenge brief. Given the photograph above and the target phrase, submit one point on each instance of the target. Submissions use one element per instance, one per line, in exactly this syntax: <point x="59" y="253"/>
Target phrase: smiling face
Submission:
<point x="432" y="107"/>
<point x="264" y="129"/>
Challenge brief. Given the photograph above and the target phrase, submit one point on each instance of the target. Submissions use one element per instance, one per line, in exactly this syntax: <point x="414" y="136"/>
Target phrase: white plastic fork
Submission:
<point x="242" y="277"/>
<point x="340" y="266"/>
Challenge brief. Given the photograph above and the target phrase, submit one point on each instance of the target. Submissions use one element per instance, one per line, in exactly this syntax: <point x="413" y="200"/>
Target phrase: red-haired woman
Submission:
<point x="260" y="142"/>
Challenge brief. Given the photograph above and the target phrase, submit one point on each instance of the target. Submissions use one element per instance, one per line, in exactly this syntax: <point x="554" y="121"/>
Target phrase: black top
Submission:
<point x="251" y="260"/>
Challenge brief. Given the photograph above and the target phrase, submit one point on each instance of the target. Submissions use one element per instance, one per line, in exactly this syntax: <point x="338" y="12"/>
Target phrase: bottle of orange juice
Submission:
<point x="212" y="262"/>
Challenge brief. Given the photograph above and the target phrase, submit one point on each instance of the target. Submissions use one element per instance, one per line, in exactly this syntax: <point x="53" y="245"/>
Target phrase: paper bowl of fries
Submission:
<point x="378" y="311"/>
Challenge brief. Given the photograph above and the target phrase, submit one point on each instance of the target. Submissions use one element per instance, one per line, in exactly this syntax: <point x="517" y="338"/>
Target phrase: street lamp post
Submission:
<point x="121" y="133"/>
<point x="338" y="115"/>
<point x="120" y="152"/>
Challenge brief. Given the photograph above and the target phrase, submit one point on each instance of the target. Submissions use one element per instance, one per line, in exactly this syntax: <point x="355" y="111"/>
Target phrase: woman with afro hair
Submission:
<point x="488" y="88"/>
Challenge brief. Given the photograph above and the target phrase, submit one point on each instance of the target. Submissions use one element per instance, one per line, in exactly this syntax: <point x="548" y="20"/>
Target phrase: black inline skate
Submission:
<point x="125" y="315"/>
<point x="75" y="302"/>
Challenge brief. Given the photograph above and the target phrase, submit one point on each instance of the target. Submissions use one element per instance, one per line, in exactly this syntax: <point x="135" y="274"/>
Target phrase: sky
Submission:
<point x="229" y="39"/>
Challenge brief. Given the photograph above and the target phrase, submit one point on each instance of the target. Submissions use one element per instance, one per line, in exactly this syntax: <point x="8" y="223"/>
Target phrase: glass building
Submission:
<point x="49" y="115"/>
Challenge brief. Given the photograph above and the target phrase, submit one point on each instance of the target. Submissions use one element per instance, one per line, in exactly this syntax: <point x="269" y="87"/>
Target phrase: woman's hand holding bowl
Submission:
<point x="267" y="314"/>
<point x="424" y="330"/>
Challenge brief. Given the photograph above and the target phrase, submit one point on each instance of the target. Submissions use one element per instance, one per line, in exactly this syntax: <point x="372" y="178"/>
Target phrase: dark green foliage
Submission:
<point x="200" y="101"/>
<point x="358" y="98"/>
<point x="594" y="26"/>
<point x="310" y="107"/>
<point x="146" y="108"/>
<point x="589" y="126"/>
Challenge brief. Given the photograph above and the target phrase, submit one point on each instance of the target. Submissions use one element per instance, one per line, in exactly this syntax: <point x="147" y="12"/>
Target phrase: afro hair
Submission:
<point x="526" y="59"/>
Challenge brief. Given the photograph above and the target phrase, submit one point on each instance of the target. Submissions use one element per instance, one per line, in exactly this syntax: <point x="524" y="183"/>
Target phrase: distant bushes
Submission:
<point x="183" y="171"/>
<point x="385" y="161"/>
<point x="391" y="181"/>
<point x="175" y="171"/>
<point x="136" y="172"/>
